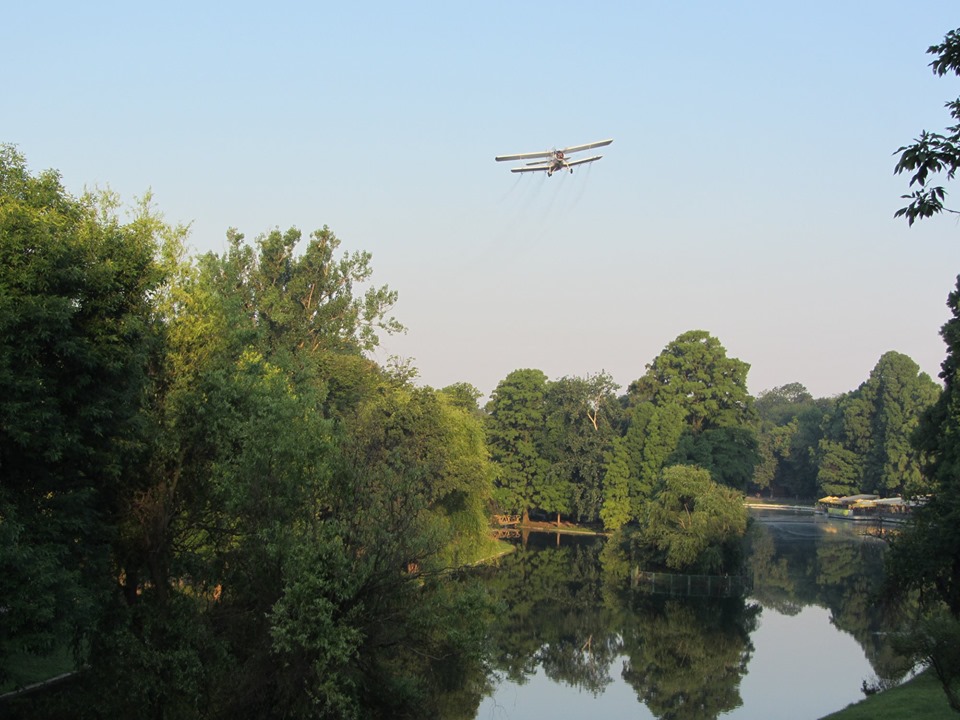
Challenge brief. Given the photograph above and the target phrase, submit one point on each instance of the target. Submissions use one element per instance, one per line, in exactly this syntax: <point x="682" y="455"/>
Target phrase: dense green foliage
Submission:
<point x="689" y="421"/>
<point x="76" y="337"/>
<point x="694" y="373"/>
<point x="788" y="436"/>
<point x="517" y="412"/>
<point x="866" y="444"/>
<point x="568" y="447"/>
<point x="692" y="522"/>
<point x="857" y="442"/>
<point x="206" y="479"/>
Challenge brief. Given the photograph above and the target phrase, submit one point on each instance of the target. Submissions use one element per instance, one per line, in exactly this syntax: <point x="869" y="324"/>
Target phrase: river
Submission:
<point x="574" y="638"/>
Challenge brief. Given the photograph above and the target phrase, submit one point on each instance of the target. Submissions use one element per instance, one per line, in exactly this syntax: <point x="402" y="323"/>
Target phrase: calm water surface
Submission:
<point x="574" y="640"/>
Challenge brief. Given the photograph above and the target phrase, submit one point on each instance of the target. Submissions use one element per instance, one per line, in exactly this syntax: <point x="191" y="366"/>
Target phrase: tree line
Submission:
<point x="573" y="447"/>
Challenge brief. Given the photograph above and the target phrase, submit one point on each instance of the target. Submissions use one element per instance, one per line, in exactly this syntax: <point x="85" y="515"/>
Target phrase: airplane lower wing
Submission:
<point x="549" y="166"/>
<point x="571" y="163"/>
<point x="531" y="168"/>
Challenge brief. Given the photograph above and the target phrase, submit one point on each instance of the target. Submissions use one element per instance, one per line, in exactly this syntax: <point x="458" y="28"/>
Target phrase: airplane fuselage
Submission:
<point x="559" y="163"/>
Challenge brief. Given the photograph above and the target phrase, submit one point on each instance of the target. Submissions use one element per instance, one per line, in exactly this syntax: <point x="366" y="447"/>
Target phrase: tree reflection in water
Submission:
<point x="798" y="561"/>
<point x="687" y="656"/>
<point x="569" y="610"/>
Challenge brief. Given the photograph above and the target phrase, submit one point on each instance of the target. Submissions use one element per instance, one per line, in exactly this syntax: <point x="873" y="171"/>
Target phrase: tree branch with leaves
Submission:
<point x="932" y="153"/>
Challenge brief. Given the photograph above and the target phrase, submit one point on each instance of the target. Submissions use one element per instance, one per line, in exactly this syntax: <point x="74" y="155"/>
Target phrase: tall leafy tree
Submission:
<point x="900" y="394"/>
<point x="517" y="413"/>
<point x="653" y="433"/>
<point x="76" y="343"/>
<point x="581" y="418"/>
<point x="307" y="300"/>
<point x="695" y="373"/>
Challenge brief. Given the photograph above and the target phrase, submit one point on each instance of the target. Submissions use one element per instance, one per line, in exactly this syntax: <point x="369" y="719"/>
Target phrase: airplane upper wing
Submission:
<point x="571" y="163"/>
<point x="588" y="146"/>
<point x="524" y="156"/>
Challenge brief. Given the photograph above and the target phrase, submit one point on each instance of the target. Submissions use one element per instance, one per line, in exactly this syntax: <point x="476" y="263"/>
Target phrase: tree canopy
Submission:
<point x="867" y="437"/>
<point x="695" y="373"/>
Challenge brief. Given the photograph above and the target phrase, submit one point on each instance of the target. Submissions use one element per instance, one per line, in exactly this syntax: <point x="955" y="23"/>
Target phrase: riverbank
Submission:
<point x="921" y="697"/>
<point x="563" y="527"/>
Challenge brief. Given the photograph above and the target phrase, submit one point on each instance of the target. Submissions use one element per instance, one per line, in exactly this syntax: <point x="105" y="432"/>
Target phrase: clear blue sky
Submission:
<point x="748" y="192"/>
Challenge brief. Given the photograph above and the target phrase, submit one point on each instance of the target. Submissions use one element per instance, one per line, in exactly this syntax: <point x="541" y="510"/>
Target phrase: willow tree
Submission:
<point x="693" y="523"/>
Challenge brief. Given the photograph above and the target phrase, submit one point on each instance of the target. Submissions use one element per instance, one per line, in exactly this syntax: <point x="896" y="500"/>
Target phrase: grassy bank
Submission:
<point x="23" y="670"/>
<point x="921" y="697"/>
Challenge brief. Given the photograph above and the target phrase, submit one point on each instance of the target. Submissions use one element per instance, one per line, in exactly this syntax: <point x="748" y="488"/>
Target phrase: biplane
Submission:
<point x="550" y="161"/>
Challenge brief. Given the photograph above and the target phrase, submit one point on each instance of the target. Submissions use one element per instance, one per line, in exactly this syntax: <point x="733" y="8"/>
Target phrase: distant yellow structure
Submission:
<point x="865" y="507"/>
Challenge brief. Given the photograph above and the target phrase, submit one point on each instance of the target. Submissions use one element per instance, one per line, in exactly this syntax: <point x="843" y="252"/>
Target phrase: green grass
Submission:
<point x="26" y="669"/>
<point x="921" y="697"/>
<point x="489" y="550"/>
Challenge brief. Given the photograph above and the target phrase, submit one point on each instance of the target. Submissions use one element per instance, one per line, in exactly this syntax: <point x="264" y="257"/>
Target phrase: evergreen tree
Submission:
<point x="866" y="446"/>
<point x="615" y="511"/>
